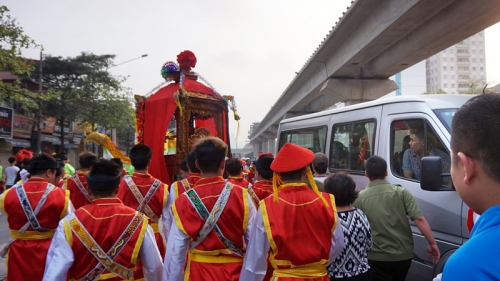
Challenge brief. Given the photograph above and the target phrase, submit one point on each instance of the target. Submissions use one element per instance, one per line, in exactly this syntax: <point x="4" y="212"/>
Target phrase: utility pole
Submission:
<point x="39" y="115"/>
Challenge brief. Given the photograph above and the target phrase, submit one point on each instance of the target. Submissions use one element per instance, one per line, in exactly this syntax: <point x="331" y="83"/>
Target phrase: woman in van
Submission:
<point x="352" y="264"/>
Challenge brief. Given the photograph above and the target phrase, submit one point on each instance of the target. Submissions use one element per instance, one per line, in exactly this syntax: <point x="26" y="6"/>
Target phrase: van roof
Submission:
<point x="434" y="102"/>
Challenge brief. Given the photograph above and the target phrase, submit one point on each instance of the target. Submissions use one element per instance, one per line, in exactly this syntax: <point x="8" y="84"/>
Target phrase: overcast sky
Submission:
<point x="248" y="49"/>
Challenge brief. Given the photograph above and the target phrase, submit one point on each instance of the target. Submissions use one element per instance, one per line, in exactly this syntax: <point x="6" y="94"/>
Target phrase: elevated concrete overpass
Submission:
<point x="372" y="41"/>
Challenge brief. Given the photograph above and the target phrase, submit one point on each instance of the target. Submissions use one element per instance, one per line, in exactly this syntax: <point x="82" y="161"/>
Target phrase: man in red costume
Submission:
<point x="77" y="184"/>
<point x="264" y="186"/>
<point x="234" y="171"/>
<point x="103" y="240"/>
<point x="145" y="193"/>
<point x="212" y="222"/>
<point x="296" y="226"/>
<point x="34" y="209"/>
<point x="179" y="187"/>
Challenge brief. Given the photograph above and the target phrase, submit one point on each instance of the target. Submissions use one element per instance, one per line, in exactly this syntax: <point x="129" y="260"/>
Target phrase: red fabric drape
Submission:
<point x="160" y="108"/>
<point x="208" y="124"/>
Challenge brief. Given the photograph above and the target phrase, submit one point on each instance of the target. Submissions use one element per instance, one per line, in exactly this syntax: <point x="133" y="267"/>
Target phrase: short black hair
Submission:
<point x="183" y="166"/>
<point x="26" y="162"/>
<point x="191" y="161"/>
<point x="293" y="175"/>
<point x="233" y="167"/>
<point x="140" y="154"/>
<point x="376" y="168"/>
<point x="343" y="187"/>
<point x="87" y="159"/>
<point x="210" y="152"/>
<point x="44" y="159"/>
<point x="475" y="131"/>
<point x="108" y="168"/>
<point x="118" y="161"/>
<point x="12" y="160"/>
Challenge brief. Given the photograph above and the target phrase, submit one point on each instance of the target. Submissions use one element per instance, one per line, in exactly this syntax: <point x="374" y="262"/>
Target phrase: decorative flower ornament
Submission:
<point x="186" y="60"/>
<point x="169" y="70"/>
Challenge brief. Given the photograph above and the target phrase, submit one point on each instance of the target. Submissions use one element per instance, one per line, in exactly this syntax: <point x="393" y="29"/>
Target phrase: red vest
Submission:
<point x="299" y="213"/>
<point x="263" y="188"/>
<point x="157" y="202"/>
<point x="239" y="181"/>
<point x="179" y="189"/>
<point x="77" y="198"/>
<point x="105" y="220"/>
<point x="211" y="257"/>
<point x="30" y="265"/>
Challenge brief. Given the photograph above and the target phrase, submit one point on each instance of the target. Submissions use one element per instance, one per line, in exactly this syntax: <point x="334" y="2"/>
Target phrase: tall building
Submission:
<point x="453" y="69"/>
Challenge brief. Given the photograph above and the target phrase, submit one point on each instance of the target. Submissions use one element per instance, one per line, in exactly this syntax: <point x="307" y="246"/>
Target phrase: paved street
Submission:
<point x="4" y="237"/>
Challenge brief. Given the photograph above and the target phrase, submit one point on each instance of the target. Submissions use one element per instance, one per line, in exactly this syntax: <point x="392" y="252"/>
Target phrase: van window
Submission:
<point x="351" y="145"/>
<point x="310" y="138"/>
<point x="411" y="140"/>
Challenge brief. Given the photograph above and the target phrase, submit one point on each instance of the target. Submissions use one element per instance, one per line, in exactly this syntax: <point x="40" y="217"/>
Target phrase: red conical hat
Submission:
<point x="292" y="157"/>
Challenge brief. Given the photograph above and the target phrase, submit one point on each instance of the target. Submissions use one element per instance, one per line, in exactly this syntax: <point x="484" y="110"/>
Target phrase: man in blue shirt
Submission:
<point x="475" y="171"/>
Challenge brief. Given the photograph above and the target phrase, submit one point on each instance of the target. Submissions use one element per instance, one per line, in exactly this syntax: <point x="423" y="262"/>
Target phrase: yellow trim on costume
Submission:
<point x="154" y="226"/>
<point x="165" y="195"/>
<point x="66" y="203"/>
<point x="105" y="218"/>
<point x="213" y="259"/>
<point x="332" y="199"/>
<point x="176" y="190"/>
<point x="111" y="275"/>
<point x="178" y="221"/>
<point x="65" y="184"/>
<point x="310" y="177"/>
<point x="138" y="244"/>
<point x="246" y="209"/>
<point x="211" y="253"/>
<point x="265" y="220"/>
<point x="210" y="196"/>
<point x="2" y="200"/>
<point x="315" y="270"/>
<point x="32" y="235"/>
<point x="68" y="233"/>
<point x="188" y="271"/>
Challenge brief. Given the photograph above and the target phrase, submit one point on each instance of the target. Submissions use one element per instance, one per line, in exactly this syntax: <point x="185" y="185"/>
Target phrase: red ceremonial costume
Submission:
<point x="263" y="188"/>
<point x="211" y="259"/>
<point x="179" y="187"/>
<point x="157" y="202"/>
<point x="78" y="198"/>
<point x="239" y="181"/>
<point x="26" y="256"/>
<point x="297" y="201"/>
<point x="106" y="219"/>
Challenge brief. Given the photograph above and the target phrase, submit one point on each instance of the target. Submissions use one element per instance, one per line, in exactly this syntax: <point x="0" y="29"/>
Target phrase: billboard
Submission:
<point x="6" y="122"/>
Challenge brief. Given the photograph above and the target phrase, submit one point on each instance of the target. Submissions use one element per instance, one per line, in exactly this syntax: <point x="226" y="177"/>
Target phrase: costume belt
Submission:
<point x="304" y="272"/>
<point x="32" y="235"/>
<point x="213" y="259"/>
<point x="154" y="226"/>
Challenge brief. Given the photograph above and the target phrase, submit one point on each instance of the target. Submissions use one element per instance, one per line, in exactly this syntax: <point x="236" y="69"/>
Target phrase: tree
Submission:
<point x="12" y="42"/>
<point x="88" y="92"/>
<point x="476" y="86"/>
<point x="437" y="92"/>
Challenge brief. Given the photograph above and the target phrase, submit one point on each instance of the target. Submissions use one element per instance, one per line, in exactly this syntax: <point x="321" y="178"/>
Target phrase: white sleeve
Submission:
<point x="167" y="217"/>
<point x="175" y="257"/>
<point x="150" y="257"/>
<point x="59" y="257"/>
<point x="70" y="209"/>
<point x="337" y="242"/>
<point x="251" y="219"/>
<point x="255" y="261"/>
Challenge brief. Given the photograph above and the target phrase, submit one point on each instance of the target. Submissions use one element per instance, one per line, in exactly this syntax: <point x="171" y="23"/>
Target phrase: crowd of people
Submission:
<point x="276" y="218"/>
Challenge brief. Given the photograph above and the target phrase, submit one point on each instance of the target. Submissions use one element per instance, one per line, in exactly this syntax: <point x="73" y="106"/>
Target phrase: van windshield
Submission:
<point x="446" y="115"/>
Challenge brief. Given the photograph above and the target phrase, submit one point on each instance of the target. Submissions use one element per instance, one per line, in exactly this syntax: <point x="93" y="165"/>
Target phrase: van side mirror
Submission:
<point x="431" y="176"/>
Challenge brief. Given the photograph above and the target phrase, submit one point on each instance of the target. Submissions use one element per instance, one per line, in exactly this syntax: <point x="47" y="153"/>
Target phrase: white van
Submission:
<point x="350" y="135"/>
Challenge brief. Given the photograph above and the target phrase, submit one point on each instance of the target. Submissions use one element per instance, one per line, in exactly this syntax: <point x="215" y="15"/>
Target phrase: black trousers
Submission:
<point x="367" y="276"/>
<point x="389" y="270"/>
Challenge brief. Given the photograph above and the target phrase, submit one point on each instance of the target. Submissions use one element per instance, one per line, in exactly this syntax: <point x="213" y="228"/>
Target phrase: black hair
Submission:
<point x="26" y="162"/>
<point x="12" y="160"/>
<point x="183" y="166"/>
<point x="234" y="167"/>
<point x="376" y="168"/>
<point x="118" y="161"/>
<point x="191" y="161"/>
<point x="293" y="175"/>
<point x="140" y="154"/>
<point x="41" y="163"/>
<point x="87" y="159"/>
<point x="343" y="187"/>
<point x="103" y="179"/>
<point x="210" y="152"/>
<point x="475" y="131"/>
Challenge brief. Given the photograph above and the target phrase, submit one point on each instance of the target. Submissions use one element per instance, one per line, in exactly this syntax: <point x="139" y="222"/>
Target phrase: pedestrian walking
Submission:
<point x="10" y="173"/>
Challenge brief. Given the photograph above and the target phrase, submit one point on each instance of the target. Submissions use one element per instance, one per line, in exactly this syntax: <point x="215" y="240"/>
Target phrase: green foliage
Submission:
<point x="12" y="42"/>
<point x="437" y="92"/>
<point x="476" y="86"/>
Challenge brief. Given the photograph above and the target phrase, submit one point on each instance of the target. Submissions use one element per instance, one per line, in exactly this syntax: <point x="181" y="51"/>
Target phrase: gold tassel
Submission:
<point x="277" y="182"/>
<point x="310" y="177"/>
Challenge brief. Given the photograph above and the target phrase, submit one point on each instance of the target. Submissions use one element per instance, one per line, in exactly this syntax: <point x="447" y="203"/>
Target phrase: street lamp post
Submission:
<point x="143" y="56"/>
